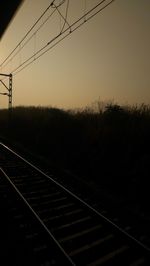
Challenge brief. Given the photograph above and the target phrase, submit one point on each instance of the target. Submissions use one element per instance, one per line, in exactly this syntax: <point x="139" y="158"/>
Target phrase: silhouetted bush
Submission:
<point x="109" y="147"/>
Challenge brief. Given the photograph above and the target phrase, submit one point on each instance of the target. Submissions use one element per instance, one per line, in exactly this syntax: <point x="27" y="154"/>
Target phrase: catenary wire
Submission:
<point x="41" y="52"/>
<point x="27" y="41"/>
<point x="65" y="18"/>
<point x="62" y="32"/>
<point x="50" y="5"/>
<point x="54" y="6"/>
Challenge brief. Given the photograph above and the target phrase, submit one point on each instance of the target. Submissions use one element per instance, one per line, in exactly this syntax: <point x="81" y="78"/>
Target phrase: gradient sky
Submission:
<point x="108" y="58"/>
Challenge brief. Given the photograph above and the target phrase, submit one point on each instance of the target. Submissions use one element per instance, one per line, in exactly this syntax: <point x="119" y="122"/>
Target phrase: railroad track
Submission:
<point x="55" y="227"/>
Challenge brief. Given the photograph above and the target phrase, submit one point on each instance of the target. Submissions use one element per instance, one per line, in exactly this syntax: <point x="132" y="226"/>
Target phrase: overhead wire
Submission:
<point x="65" y="21"/>
<point x="27" y="41"/>
<point x="63" y="31"/>
<point x="61" y="3"/>
<point x="75" y="24"/>
<point x="28" y="32"/>
<point x="64" y="18"/>
<point x="85" y="9"/>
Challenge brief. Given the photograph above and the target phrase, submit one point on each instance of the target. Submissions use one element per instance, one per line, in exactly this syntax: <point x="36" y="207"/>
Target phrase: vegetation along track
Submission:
<point x="55" y="227"/>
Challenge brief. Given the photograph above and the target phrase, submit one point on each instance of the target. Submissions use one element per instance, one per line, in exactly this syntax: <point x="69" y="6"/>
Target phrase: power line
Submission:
<point x="51" y="4"/>
<point x="56" y="6"/>
<point x="64" y="18"/>
<point x="61" y="36"/>
<point x="74" y="26"/>
<point x="13" y="54"/>
<point x="27" y="41"/>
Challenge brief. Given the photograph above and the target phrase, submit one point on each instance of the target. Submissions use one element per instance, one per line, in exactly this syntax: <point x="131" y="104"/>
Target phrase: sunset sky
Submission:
<point x="108" y="58"/>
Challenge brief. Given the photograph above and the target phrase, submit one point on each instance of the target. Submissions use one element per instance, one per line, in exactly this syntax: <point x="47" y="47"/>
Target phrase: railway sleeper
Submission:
<point x="84" y="238"/>
<point x="73" y="228"/>
<point x="99" y="249"/>
<point x="65" y="218"/>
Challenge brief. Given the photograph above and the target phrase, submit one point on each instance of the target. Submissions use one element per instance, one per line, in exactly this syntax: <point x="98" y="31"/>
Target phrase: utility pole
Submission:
<point x="9" y="89"/>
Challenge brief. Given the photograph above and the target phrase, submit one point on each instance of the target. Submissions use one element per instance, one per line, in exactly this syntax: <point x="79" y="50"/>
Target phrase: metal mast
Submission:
<point x="9" y="89"/>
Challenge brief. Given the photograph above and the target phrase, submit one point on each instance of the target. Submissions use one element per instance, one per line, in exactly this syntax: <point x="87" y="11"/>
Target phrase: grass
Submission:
<point x="109" y="147"/>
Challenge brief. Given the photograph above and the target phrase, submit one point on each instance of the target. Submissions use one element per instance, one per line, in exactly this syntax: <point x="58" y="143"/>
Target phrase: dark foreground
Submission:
<point x="49" y="225"/>
<point x="104" y="154"/>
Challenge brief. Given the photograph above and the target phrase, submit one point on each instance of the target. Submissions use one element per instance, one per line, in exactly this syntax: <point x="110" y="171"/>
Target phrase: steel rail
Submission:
<point x="37" y="217"/>
<point x="79" y="199"/>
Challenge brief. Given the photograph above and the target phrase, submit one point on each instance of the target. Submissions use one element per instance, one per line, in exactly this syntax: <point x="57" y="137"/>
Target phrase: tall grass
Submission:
<point x="110" y="147"/>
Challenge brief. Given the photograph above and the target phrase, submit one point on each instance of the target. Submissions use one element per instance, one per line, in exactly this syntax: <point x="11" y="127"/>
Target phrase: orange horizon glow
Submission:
<point x="107" y="58"/>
